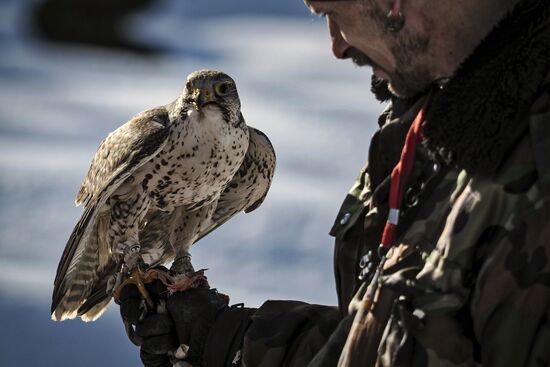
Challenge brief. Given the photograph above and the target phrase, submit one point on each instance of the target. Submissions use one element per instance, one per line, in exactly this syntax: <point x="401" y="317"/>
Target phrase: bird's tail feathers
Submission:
<point x="96" y="311"/>
<point x="98" y="300"/>
<point x="77" y="271"/>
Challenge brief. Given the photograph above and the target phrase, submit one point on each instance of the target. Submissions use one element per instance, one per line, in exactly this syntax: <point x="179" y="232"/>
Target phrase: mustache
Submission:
<point x="358" y="57"/>
<point x="379" y="87"/>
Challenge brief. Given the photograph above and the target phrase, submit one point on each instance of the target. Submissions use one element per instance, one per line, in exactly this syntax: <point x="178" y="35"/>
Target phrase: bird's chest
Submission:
<point x="200" y="156"/>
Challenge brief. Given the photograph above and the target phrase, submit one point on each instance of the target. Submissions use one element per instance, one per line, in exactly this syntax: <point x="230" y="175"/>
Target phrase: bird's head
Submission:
<point x="210" y="87"/>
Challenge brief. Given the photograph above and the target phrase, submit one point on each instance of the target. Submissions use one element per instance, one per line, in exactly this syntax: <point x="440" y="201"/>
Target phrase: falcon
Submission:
<point x="157" y="185"/>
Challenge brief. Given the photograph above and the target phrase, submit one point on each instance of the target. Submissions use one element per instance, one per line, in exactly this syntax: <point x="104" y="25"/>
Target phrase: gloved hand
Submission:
<point x="180" y="328"/>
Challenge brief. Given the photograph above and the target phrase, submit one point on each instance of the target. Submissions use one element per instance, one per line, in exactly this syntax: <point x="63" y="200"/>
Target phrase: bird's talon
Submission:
<point x="136" y="279"/>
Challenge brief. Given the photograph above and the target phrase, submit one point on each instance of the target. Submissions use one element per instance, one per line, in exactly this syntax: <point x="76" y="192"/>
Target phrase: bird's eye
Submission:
<point x="222" y="88"/>
<point x="188" y="86"/>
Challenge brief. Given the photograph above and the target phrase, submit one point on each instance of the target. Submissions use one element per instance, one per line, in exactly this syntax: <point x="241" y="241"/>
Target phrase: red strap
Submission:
<point x="399" y="177"/>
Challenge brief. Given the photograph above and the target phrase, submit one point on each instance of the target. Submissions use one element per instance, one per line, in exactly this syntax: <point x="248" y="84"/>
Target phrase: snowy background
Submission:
<point x="57" y="102"/>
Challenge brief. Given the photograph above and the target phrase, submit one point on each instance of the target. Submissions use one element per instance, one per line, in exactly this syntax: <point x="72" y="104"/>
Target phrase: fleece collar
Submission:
<point x="474" y="121"/>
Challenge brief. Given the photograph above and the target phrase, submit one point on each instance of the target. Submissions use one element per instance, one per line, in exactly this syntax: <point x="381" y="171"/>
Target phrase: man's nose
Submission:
<point x="339" y="44"/>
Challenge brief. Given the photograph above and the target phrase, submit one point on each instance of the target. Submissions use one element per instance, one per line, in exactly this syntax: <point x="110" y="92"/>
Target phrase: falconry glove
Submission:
<point x="195" y="326"/>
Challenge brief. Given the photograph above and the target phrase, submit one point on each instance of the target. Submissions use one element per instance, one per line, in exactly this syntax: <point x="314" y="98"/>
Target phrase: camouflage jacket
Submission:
<point x="468" y="282"/>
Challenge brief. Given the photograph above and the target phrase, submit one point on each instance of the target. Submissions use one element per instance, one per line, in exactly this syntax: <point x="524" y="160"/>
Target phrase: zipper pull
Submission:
<point x="368" y="299"/>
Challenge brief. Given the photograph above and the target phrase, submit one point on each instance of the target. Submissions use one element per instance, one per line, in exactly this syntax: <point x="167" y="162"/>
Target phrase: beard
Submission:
<point x="409" y="83"/>
<point x="380" y="88"/>
<point x="357" y="57"/>
<point x="409" y="78"/>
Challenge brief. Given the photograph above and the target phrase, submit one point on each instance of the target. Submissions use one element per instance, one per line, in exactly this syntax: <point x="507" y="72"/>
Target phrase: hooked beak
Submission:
<point x="202" y="97"/>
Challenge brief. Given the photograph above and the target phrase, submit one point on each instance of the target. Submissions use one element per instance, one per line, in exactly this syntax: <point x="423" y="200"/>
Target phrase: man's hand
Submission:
<point x="177" y="329"/>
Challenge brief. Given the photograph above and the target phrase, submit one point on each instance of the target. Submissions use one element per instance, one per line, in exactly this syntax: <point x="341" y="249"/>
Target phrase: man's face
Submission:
<point x="357" y="31"/>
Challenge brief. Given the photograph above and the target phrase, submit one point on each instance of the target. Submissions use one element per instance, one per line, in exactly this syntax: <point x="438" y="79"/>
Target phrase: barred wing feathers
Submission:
<point x="119" y="155"/>
<point x="248" y="188"/>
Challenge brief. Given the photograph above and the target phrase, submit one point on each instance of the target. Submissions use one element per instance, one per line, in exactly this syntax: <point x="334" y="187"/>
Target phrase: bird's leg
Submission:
<point x="182" y="264"/>
<point x="185" y="227"/>
<point x="129" y="206"/>
<point x="131" y="253"/>
<point x="132" y="271"/>
<point x="184" y="275"/>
